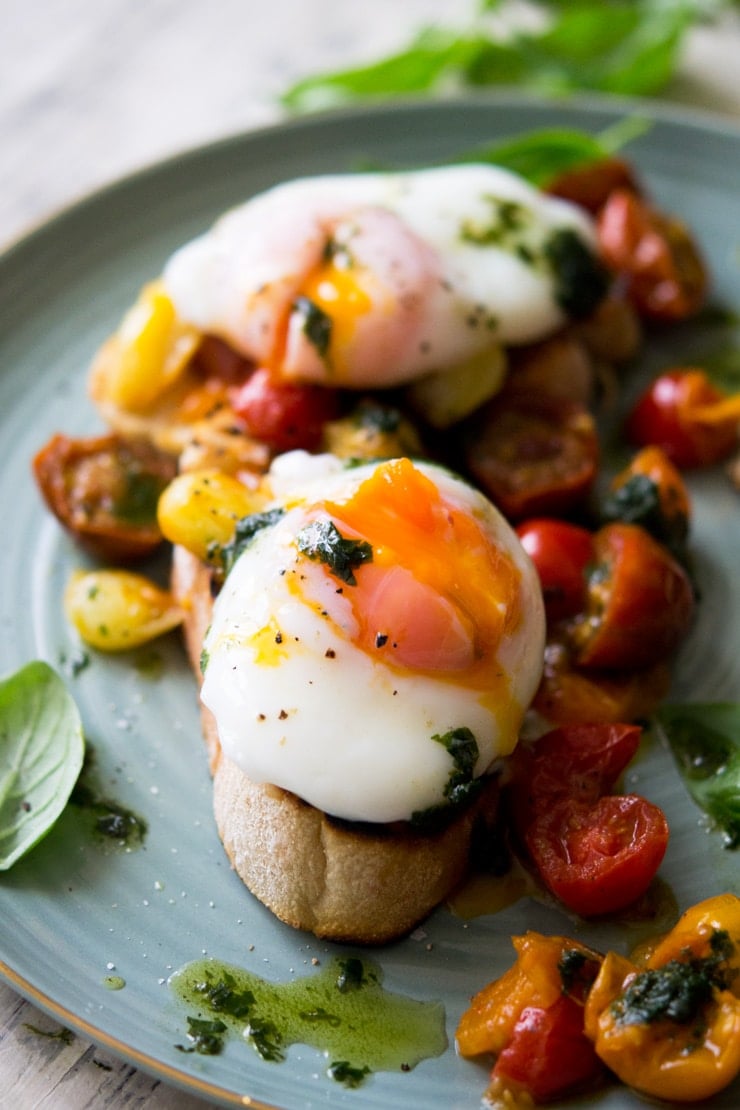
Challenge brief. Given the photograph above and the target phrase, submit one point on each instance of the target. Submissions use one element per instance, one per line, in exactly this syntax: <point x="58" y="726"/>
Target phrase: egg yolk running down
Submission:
<point x="438" y="594"/>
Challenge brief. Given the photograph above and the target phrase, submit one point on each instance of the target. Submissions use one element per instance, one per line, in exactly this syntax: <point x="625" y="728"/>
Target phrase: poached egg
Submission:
<point x="358" y="280"/>
<point x="378" y="614"/>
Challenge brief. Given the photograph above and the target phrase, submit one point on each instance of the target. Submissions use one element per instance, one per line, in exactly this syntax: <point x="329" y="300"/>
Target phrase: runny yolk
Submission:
<point x="338" y="292"/>
<point x="439" y="594"/>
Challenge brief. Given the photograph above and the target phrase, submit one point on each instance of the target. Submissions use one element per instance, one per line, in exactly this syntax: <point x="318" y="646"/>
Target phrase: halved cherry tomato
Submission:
<point x="651" y="492"/>
<point x="281" y="414"/>
<point x="579" y="762"/>
<point x="590" y="185"/>
<point x="548" y="1056"/>
<point x="672" y="1032"/>
<point x="598" y="857"/>
<point x="688" y="417"/>
<point x="665" y="277"/>
<point x="105" y="490"/>
<point x="560" y="552"/>
<point x="569" y="695"/>
<point x="640" y="602"/>
<point x="532" y="1019"/>
<point x="534" y="455"/>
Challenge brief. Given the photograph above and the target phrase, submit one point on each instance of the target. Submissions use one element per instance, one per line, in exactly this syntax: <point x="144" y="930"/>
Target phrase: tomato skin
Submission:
<point x="590" y="185"/>
<point x="549" y="1055"/>
<point x="571" y="695"/>
<point x="577" y="762"/>
<point x="687" y="417"/>
<point x="104" y="491"/>
<point x="283" y="415"/>
<point x="534" y="456"/>
<point x="656" y="256"/>
<point x="640" y="602"/>
<point x="598" y="858"/>
<point x="560" y="552"/>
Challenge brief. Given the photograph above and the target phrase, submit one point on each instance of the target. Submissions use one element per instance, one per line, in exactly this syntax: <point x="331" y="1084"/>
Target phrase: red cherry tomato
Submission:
<point x="283" y="415"/>
<point x="580" y="762"/>
<point x="560" y="552"/>
<point x="549" y="1055"/>
<point x="591" y="185"/>
<point x="655" y="254"/>
<point x="534" y="455"/>
<point x="688" y="417"/>
<point x="639" y="602"/>
<point x="598" y="857"/>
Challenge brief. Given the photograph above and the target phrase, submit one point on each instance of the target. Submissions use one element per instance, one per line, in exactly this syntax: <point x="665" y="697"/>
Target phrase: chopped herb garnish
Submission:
<point x="375" y="417"/>
<point x="322" y="541"/>
<point x="677" y="992"/>
<point x="246" y="529"/>
<point x="580" y="279"/>
<point x="344" y="1072"/>
<point x="461" y="784"/>
<point x="351" y="975"/>
<point x="206" y="1037"/>
<point x="266" y="1039"/>
<point x="577" y="972"/>
<point x="224" y="997"/>
<point x="638" y="501"/>
<point x="317" y="325"/>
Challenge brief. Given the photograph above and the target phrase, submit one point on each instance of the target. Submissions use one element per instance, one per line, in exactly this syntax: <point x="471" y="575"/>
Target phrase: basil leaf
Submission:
<point x="41" y="754"/>
<point x="629" y="47"/>
<point x="705" y="742"/>
<point x="322" y="541"/>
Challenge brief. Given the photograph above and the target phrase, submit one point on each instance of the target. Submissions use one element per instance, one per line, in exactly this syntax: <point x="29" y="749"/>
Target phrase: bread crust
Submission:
<point x="343" y="881"/>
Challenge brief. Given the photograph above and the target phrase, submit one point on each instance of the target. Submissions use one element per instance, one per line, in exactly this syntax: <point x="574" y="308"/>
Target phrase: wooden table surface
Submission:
<point x="93" y="89"/>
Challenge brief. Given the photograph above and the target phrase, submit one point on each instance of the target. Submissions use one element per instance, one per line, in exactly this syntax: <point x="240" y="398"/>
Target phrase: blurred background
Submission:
<point x="91" y="90"/>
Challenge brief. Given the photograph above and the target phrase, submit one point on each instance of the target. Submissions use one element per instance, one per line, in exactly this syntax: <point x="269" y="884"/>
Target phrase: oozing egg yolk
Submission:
<point x="339" y="292"/>
<point x="439" y="594"/>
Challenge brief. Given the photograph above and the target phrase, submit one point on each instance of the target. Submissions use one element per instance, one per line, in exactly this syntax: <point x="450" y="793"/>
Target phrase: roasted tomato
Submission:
<point x="699" y="932"/>
<point x="640" y="602"/>
<point x="104" y="490"/>
<point x="590" y="185"/>
<point x="671" y="1031"/>
<point x="651" y="492"/>
<point x="570" y="695"/>
<point x="534" y="455"/>
<point x="216" y="359"/>
<point x="598" y="858"/>
<point x="532" y="1019"/>
<point x="594" y="851"/>
<point x="683" y="413"/>
<point x="560" y="552"/>
<point x="655" y="254"/>
<point x="283" y="415"/>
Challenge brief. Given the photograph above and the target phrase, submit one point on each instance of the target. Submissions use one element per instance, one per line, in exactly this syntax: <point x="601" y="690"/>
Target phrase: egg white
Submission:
<point x="317" y="715"/>
<point x="442" y="291"/>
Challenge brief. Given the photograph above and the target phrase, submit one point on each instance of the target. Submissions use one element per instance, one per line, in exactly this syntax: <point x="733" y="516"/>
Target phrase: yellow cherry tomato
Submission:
<point x="116" y="610"/>
<point x="199" y="510"/>
<point x="146" y="355"/>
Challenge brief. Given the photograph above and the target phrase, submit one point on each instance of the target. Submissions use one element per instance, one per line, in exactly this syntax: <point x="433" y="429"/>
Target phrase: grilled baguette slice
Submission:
<point x="343" y="881"/>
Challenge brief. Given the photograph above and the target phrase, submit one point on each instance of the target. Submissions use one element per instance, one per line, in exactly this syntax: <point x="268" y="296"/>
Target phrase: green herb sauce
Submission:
<point x="322" y="541"/>
<point x="342" y="1011"/>
<point x="107" y="820"/>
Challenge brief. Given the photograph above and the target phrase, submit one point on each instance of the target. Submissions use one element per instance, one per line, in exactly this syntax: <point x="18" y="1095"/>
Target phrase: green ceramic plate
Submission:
<point x="72" y="913"/>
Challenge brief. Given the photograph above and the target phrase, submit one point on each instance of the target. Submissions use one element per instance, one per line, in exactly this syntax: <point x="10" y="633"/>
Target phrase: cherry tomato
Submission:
<point x="672" y="1032"/>
<point x="532" y="1019"/>
<point x="598" y="857"/>
<point x="578" y="762"/>
<point x="688" y="417"/>
<point x="569" y="695"/>
<point x="104" y="491"/>
<point x="651" y="492"/>
<point x="534" y="455"/>
<point x="694" y="935"/>
<point x="664" y="274"/>
<point x="590" y="185"/>
<point x="283" y="415"/>
<point x="560" y="552"/>
<point x="640" y="602"/>
<point x="548" y="1055"/>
